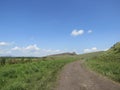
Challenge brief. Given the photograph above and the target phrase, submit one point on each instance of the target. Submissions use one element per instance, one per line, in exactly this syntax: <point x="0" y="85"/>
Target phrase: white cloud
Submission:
<point x="28" y="48"/>
<point x="32" y="48"/>
<point x="50" y="51"/>
<point x="77" y="32"/>
<point x="17" y="48"/>
<point x="94" y="49"/>
<point x="86" y="50"/>
<point x="3" y="43"/>
<point x="90" y="31"/>
<point x="57" y="50"/>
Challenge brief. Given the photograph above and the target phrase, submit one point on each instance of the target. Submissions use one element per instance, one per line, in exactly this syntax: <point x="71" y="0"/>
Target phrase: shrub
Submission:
<point x="2" y="61"/>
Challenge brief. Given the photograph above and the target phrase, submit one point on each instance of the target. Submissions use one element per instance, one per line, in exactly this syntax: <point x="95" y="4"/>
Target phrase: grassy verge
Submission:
<point x="39" y="75"/>
<point x="108" y="65"/>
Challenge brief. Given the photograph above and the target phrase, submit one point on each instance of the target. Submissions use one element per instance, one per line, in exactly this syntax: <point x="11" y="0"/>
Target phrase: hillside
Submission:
<point x="107" y="63"/>
<point x="115" y="48"/>
<point x="65" y="54"/>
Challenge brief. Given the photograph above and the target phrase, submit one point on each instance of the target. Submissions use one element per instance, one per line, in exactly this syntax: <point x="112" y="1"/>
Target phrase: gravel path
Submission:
<point x="75" y="76"/>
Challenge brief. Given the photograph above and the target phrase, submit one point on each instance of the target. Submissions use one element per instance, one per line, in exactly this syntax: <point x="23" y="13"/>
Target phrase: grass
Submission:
<point x="40" y="75"/>
<point x="107" y="63"/>
<point x="23" y="73"/>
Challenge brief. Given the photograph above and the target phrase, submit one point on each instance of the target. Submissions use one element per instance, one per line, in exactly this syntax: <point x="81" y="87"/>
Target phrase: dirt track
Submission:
<point x="76" y="77"/>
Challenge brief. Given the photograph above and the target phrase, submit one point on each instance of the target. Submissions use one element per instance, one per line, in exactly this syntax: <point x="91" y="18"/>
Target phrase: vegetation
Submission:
<point x="32" y="73"/>
<point x="37" y="74"/>
<point x="107" y="63"/>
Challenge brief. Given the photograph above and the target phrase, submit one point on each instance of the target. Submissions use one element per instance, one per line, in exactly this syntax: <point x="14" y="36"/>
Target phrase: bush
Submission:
<point x="2" y="61"/>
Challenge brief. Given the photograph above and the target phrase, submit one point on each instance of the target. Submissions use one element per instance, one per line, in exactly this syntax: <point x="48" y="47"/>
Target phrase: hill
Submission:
<point x="64" y="54"/>
<point x="107" y="63"/>
<point x="115" y="48"/>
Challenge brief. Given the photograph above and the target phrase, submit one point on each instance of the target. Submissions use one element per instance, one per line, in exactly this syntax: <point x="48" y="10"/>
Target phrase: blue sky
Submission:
<point x="43" y="27"/>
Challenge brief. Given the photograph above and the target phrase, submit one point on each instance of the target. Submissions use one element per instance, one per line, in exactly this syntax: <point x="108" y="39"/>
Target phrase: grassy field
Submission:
<point x="40" y="74"/>
<point x="29" y="73"/>
<point x="107" y="63"/>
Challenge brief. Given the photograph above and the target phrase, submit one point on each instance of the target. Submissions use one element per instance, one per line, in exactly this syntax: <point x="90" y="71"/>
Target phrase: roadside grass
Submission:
<point x="108" y="64"/>
<point x="40" y="75"/>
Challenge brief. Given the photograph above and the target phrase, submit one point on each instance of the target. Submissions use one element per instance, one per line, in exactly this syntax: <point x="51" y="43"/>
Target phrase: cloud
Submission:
<point x="77" y="32"/>
<point x="86" y="50"/>
<point x="28" y="48"/>
<point x="90" y="31"/>
<point x="94" y="49"/>
<point x="32" y="48"/>
<point x="3" y="44"/>
<point x="80" y="32"/>
<point x="51" y="51"/>
<point x="16" y="48"/>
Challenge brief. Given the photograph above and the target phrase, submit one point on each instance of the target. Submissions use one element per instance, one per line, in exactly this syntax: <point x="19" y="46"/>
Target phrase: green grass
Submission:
<point x="90" y="55"/>
<point x="108" y="64"/>
<point x="109" y="69"/>
<point x="40" y="75"/>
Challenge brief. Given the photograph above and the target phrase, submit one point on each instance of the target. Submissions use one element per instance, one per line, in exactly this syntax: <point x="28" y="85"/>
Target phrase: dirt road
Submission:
<point x="76" y="77"/>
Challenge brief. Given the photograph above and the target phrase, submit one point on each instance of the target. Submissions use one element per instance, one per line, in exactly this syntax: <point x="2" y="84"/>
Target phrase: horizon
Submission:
<point x="45" y="27"/>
